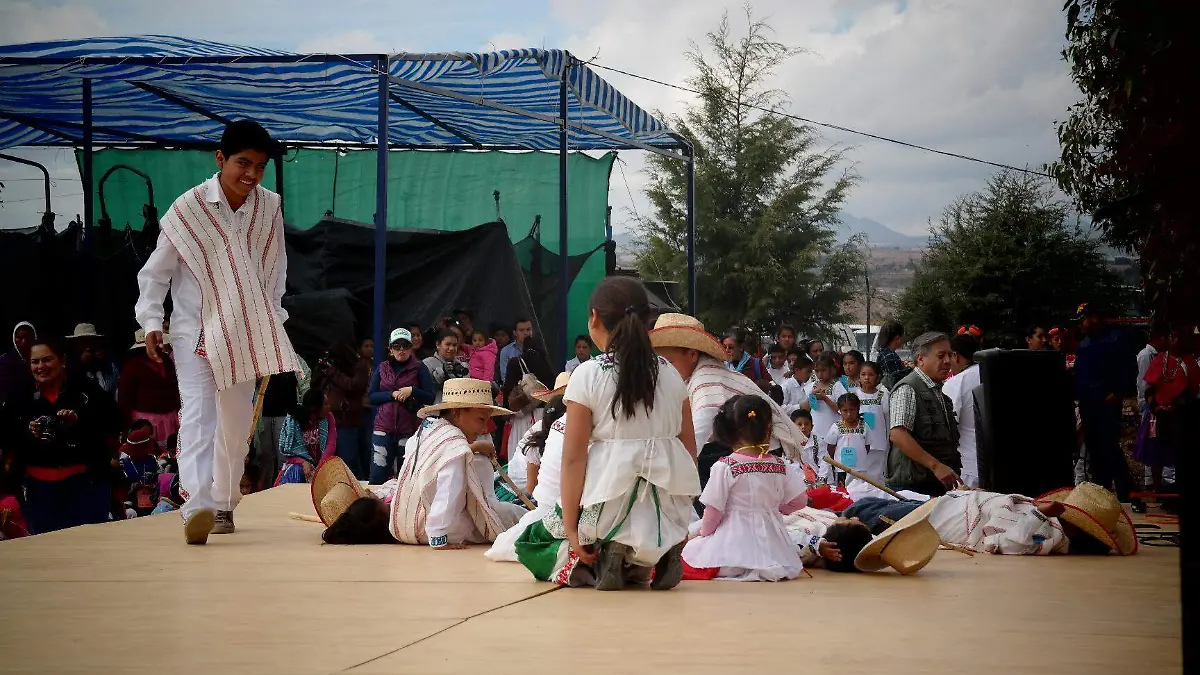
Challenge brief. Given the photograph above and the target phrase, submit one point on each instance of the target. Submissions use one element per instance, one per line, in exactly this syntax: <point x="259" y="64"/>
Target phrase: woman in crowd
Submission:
<point x="398" y="389"/>
<point x="519" y="388"/>
<point x="891" y="336"/>
<point x="148" y="390"/>
<point x="816" y="349"/>
<point x="64" y="434"/>
<point x="346" y="378"/>
<point x="309" y="436"/>
<point x="444" y="364"/>
<point x="629" y="472"/>
<point x="444" y="498"/>
<point x="15" y="376"/>
<point x="1035" y="338"/>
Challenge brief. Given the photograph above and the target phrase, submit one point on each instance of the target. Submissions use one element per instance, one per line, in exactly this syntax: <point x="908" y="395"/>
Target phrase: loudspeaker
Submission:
<point x="1025" y="421"/>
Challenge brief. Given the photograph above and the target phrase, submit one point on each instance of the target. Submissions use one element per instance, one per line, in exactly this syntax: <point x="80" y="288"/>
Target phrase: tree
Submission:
<point x="767" y="198"/>
<point x="1128" y="148"/>
<point x="1005" y="258"/>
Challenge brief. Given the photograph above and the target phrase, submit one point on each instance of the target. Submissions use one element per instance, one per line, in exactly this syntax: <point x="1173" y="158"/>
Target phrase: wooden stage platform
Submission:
<point x="130" y="597"/>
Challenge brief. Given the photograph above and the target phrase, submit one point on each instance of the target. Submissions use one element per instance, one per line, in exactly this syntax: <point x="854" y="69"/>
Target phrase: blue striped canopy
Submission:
<point x="176" y="91"/>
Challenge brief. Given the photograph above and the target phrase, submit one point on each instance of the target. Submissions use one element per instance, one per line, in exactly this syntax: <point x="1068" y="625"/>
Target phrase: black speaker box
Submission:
<point x="1025" y="421"/>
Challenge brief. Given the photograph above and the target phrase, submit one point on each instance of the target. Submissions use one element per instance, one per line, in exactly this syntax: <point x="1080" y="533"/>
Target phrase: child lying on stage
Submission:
<point x="1086" y="519"/>
<point x="742" y="535"/>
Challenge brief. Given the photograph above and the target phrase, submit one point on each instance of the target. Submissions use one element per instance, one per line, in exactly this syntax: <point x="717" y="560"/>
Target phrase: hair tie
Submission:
<point x="636" y="309"/>
<point x="752" y="414"/>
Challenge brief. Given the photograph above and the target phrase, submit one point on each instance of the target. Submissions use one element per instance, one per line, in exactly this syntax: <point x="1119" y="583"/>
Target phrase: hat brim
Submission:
<point x="544" y="395"/>
<point x="1122" y="538"/>
<point x="685" y="337"/>
<point x="495" y="411"/>
<point x="329" y="474"/>
<point x="870" y="558"/>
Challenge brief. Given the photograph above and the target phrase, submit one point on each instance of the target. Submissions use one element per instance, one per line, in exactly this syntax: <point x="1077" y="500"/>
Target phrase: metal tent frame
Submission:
<point x="57" y="129"/>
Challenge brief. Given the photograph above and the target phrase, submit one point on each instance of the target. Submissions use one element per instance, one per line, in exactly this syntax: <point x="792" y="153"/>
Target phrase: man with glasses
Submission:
<point x="923" y="456"/>
<point x="399" y="388"/>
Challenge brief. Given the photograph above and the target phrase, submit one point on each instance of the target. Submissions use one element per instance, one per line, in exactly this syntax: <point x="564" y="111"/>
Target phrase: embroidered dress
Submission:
<point x="640" y="479"/>
<point x="873" y="408"/>
<point x="751" y="543"/>
<point x="545" y="495"/>
<point x="806" y="529"/>
<point x="444" y="493"/>
<point x="850" y="449"/>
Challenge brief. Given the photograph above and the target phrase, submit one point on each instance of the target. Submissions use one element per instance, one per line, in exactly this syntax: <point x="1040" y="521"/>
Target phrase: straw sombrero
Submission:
<point x="907" y="546"/>
<point x="1097" y="512"/>
<point x="560" y="387"/>
<point x="685" y="332"/>
<point x="464" y="392"/>
<point x="334" y="488"/>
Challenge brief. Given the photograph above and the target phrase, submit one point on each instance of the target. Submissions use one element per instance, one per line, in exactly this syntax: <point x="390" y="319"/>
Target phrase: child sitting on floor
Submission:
<point x="742" y="534"/>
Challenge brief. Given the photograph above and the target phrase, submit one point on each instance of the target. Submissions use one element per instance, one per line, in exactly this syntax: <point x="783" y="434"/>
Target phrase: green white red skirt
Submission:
<point x="647" y="519"/>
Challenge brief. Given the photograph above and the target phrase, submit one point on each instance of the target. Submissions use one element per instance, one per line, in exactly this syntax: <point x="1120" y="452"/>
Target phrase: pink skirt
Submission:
<point x="165" y="424"/>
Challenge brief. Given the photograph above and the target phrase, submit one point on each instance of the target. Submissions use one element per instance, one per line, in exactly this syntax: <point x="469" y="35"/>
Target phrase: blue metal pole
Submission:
<point x="564" y="260"/>
<point x="691" y="228"/>
<point x="381" y="202"/>
<point x="89" y="185"/>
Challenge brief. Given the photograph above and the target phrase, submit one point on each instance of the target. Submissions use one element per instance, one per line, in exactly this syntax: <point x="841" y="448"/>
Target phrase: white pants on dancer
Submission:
<point x="213" y="429"/>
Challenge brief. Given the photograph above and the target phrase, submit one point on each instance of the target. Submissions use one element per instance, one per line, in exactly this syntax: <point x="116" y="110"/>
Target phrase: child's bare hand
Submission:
<point x="829" y="551"/>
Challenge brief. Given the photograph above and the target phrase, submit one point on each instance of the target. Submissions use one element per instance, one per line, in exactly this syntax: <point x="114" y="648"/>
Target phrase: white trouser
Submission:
<point x="213" y="428"/>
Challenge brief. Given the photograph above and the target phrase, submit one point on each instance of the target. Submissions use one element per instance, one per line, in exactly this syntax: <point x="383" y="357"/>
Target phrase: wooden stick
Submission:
<point x="304" y="516"/>
<point x="512" y="486"/>
<point x="866" y="479"/>
<point x="258" y="405"/>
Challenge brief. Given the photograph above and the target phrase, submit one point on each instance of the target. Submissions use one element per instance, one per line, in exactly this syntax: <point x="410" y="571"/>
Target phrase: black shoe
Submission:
<point x="668" y="572"/>
<point x="610" y="567"/>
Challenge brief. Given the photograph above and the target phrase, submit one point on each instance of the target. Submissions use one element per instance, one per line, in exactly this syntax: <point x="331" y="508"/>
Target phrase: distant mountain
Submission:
<point x="878" y="234"/>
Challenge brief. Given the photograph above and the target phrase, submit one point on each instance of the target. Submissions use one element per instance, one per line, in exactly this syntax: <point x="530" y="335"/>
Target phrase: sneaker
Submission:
<point x="197" y="527"/>
<point x="610" y="567"/>
<point x="224" y="523"/>
<point x="668" y="572"/>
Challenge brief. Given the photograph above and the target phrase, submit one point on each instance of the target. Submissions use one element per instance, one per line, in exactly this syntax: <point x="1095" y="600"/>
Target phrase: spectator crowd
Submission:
<point x="89" y="425"/>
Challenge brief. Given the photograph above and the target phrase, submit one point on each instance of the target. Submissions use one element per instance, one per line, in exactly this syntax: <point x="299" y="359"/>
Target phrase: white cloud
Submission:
<point x="982" y="79"/>
<point x="26" y="22"/>
<point x="348" y="42"/>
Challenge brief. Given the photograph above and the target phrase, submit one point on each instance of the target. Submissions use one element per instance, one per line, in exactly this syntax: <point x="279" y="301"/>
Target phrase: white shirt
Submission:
<point x="795" y="396"/>
<point x="572" y="365"/>
<point x="960" y="390"/>
<point x="1144" y="358"/>
<point x="448" y="515"/>
<point x="778" y="375"/>
<point x="823" y="414"/>
<point x="996" y="523"/>
<point x="874" y="411"/>
<point x="164" y="270"/>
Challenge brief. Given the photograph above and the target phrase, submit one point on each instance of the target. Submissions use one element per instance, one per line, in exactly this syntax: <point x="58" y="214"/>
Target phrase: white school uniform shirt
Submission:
<point x="164" y="270"/>
<point x="873" y="408"/>
<point x="778" y="375"/>
<point x="960" y="390"/>
<point x="794" y="395"/>
<point x="824" y="416"/>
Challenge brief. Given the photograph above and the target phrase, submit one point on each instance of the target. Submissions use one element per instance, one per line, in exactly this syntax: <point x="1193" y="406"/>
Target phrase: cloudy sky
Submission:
<point x="977" y="78"/>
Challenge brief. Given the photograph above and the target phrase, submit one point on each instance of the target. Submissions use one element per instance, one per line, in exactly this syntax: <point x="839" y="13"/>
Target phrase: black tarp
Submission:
<point x="58" y="280"/>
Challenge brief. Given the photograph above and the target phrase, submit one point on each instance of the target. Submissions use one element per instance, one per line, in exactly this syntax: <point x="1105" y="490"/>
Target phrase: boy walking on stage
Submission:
<point x="221" y="254"/>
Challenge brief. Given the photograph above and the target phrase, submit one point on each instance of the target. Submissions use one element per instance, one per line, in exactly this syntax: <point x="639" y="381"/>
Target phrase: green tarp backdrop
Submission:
<point x="435" y="190"/>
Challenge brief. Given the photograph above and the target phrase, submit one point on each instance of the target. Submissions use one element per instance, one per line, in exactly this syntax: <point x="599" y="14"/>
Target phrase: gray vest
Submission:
<point x="936" y="429"/>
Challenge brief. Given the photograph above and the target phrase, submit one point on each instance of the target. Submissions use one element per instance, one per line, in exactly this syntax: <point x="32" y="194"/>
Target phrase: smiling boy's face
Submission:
<point x="241" y="173"/>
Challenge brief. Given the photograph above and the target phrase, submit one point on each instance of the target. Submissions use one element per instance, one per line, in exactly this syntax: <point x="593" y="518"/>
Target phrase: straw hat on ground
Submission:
<point x="685" y="332"/>
<point x="465" y="392"/>
<point x="907" y="546"/>
<point x="560" y="387"/>
<point x="334" y="488"/>
<point x="1097" y="512"/>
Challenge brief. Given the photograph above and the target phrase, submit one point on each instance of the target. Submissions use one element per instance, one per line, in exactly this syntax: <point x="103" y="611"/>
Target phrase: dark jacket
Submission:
<point x="391" y="417"/>
<point x="936" y="430"/>
<point x="90" y="441"/>
<point x="281" y="396"/>
<point x="146" y="386"/>
<point x="346" y="392"/>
